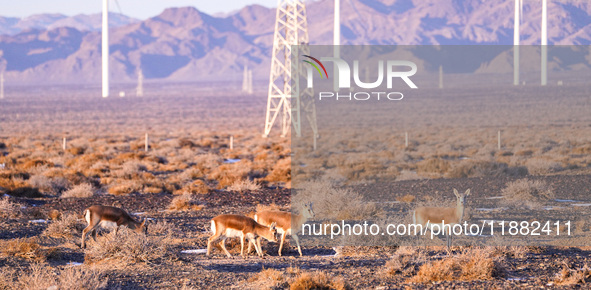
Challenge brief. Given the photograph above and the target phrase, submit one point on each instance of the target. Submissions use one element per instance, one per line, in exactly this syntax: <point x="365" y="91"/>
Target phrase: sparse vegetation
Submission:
<point x="81" y="191"/>
<point x="528" y="193"/>
<point x="185" y="202"/>
<point x="8" y="208"/>
<point x="127" y="247"/>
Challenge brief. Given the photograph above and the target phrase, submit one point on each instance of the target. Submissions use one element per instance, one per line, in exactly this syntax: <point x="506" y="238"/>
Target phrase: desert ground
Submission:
<point x="189" y="174"/>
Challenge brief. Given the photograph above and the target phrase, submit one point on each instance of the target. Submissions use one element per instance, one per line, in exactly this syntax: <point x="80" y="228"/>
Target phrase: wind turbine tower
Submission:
<point x="291" y="28"/>
<point x="544" y="76"/>
<point x="544" y="42"/>
<point x="105" y="48"/>
<point x="139" y="91"/>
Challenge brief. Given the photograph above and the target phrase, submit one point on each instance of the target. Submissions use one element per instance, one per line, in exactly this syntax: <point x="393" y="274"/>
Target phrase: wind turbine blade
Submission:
<point x="118" y="7"/>
<point x="521" y="10"/>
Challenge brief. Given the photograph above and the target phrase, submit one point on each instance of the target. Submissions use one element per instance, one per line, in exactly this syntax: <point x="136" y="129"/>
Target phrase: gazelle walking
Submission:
<point x="231" y="225"/>
<point x="438" y="215"/>
<point x="108" y="216"/>
<point x="287" y="224"/>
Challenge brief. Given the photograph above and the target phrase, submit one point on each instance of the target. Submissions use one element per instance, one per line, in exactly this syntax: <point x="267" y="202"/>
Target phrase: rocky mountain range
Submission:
<point x="184" y="44"/>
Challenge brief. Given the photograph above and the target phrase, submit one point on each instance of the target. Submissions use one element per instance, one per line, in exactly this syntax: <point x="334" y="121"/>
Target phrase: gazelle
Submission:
<point x="109" y="216"/>
<point x="438" y="215"/>
<point x="231" y="225"/>
<point x="287" y="224"/>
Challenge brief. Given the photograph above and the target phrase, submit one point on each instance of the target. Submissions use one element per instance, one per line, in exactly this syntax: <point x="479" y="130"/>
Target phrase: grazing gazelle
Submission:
<point x="287" y="224"/>
<point x="231" y="225"/>
<point x="109" y="216"/>
<point x="438" y="215"/>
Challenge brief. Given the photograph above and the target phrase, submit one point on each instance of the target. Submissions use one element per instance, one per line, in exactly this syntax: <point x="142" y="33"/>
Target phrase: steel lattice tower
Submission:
<point x="285" y="97"/>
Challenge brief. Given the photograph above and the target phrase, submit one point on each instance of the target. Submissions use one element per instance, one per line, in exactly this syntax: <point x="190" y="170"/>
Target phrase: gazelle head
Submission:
<point x="461" y="197"/>
<point x="307" y="211"/>
<point x="143" y="227"/>
<point x="273" y="230"/>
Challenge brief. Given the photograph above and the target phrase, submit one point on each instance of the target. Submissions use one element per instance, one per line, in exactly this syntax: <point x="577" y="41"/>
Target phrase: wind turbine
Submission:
<point x="105" y="48"/>
<point x="337" y="41"/>
<point x="544" y="42"/>
<point x="544" y="76"/>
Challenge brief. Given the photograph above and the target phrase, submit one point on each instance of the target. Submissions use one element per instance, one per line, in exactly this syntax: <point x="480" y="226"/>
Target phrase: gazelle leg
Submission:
<point x="84" y="232"/>
<point x="94" y="234"/>
<point x="210" y="241"/>
<point x="258" y="244"/>
<point x="242" y="246"/>
<point x="297" y="240"/>
<point x="250" y="243"/>
<point x="223" y="244"/>
<point x="281" y="243"/>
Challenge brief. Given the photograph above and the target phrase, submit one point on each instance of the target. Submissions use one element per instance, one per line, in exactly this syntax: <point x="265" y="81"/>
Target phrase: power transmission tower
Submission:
<point x="285" y="97"/>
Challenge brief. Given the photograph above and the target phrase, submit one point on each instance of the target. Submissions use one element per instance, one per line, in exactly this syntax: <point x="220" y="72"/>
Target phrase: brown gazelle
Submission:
<point x="438" y="215"/>
<point x="231" y="225"/>
<point x="109" y="216"/>
<point x="287" y="223"/>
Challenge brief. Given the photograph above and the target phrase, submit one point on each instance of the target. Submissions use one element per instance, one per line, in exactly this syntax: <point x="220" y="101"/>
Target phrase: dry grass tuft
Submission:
<point x="527" y="193"/>
<point x="568" y="276"/>
<point x="127" y="247"/>
<point x="8" y="209"/>
<point x="80" y="190"/>
<point x="317" y="280"/>
<point x="125" y="187"/>
<point x="408" y="198"/>
<point x="185" y="202"/>
<point x="472" y="264"/>
<point x="41" y="276"/>
<point x="67" y="227"/>
<point x="268" y="279"/>
<point x="244" y="185"/>
<point x="29" y="249"/>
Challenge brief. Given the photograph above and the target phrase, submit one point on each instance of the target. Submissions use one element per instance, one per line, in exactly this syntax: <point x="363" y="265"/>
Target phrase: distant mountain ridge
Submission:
<point x="184" y="44"/>
<point x="82" y="22"/>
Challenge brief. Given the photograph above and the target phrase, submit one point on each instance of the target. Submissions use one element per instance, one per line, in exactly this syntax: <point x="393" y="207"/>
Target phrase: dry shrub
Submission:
<point x="568" y="276"/>
<point x="405" y="264"/>
<point x="8" y="209"/>
<point x="29" y="249"/>
<point x="185" y="202"/>
<point x="48" y="185"/>
<point x="480" y="168"/>
<point x="527" y="193"/>
<point x="196" y="187"/>
<point x="127" y="247"/>
<point x="161" y="228"/>
<point x="125" y="187"/>
<point x="42" y="276"/>
<point x="67" y="227"/>
<point x="281" y="171"/>
<point x="538" y="166"/>
<point x="330" y="202"/>
<point x="227" y="174"/>
<point x="76" y="150"/>
<point x="317" y="280"/>
<point x="80" y="190"/>
<point x="433" y="167"/>
<point x="244" y="185"/>
<point x="472" y="264"/>
<point x="408" y="198"/>
<point x="36" y="163"/>
<point x="268" y="279"/>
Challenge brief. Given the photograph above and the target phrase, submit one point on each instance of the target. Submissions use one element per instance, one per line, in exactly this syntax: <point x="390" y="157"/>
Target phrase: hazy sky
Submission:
<point x="141" y="9"/>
